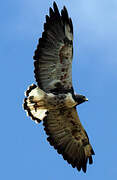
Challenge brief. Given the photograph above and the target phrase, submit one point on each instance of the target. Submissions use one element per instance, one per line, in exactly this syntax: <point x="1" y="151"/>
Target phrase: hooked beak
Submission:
<point x="86" y="99"/>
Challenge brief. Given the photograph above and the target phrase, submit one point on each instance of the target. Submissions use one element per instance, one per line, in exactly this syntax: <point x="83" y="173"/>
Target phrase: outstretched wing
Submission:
<point x="53" y="57"/>
<point x="68" y="136"/>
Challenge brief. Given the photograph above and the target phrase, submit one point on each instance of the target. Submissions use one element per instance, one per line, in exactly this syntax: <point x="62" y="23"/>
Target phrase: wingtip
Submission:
<point x="92" y="151"/>
<point x="90" y="160"/>
<point x="51" y="12"/>
<point x="55" y="7"/>
<point x="54" y="4"/>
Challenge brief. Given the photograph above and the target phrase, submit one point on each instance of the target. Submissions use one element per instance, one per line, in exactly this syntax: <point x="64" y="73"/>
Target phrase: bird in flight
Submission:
<point x="53" y="99"/>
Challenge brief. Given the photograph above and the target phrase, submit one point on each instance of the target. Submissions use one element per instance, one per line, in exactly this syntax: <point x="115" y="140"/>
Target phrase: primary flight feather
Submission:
<point x="53" y="100"/>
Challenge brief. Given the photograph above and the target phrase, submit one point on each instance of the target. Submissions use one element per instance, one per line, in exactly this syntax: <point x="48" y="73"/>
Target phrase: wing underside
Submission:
<point x="53" y="56"/>
<point x="68" y="136"/>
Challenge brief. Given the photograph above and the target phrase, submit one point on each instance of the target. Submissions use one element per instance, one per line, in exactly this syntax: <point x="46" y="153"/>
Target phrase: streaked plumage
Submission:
<point x="53" y="100"/>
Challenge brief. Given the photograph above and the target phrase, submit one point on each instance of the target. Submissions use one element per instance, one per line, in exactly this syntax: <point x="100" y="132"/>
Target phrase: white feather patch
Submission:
<point x="39" y="113"/>
<point x="34" y="103"/>
<point x="37" y="93"/>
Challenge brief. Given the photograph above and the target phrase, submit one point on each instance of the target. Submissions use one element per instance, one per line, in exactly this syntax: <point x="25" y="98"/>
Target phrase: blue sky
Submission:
<point x="25" y="153"/>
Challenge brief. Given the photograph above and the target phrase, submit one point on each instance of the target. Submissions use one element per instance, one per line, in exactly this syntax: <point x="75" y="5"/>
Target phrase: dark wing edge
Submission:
<point x="27" y="107"/>
<point x="55" y="45"/>
<point x="69" y="138"/>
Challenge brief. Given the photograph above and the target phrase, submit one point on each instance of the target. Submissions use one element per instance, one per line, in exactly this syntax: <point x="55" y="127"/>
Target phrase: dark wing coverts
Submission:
<point x="53" y="57"/>
<point x="68" y="136"/>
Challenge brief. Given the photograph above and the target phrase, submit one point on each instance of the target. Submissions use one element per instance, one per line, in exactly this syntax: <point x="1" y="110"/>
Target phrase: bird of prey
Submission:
<point x="53" y="99"/>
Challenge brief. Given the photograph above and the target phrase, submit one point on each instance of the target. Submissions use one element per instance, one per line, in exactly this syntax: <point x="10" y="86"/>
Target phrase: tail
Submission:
<point x="34" y="103"/>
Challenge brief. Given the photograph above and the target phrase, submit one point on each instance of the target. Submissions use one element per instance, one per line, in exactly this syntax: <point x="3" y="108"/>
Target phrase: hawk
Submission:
<point x="53" y="99"/>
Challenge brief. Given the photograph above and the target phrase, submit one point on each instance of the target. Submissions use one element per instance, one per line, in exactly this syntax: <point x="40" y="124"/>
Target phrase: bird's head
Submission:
<point x="80" y="99"/>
